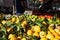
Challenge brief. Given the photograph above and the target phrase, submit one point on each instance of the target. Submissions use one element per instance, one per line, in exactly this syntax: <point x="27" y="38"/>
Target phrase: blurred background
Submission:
<point x="6" y="6"/>
<point x="19" y="6"/>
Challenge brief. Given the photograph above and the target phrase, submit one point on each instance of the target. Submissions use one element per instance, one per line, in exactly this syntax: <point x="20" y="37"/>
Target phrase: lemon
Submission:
<point x="13" y="19"/>
<point x="36" y="28"/>
<point x="50" y="20"/>
<point x="43" y="38"/>
<point x="11" y="36"/>
<point x="17" y="20"/>
<point x="57" y="30"/>
<point x="44" y="23"/>
<point x="9" y="29"/>
<point x="58" y="20"/>
<point x="36" y="34"/>
<point x="49" y="35"/>
<point x="3" y="22"/>
<point x="29" y="32"/>
<point x="19" y="37"/>
<point x="33" y="19"/>
<point x="24" y="23"/>
<point x="23" y="39"/>
<point x="42" y="34"/>
<point x="54" y="39"/>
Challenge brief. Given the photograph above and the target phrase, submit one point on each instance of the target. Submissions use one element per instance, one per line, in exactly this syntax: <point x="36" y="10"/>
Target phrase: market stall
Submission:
<point x="33" y="24"/>
<point x="29" y="27"/>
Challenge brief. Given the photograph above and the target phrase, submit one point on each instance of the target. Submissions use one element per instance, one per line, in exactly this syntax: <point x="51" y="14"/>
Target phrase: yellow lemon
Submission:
<point x="3" y="22"/>
<point x="11" y="36"/>
<point x="44" y="23"/>
<point x="17" y="20"/>
<point x="43" y="38"/>
<point x="42" y="34"/>
<point x="14" y="38"/>
<point x="19" y="37"/>
<point x="9" y="29"/>
<point x="29" y="32"/>
<point x="13" y="19"/>
<point x="24" y="23"/>
<point x="57" y="30"/>
<point x="54" y="39"/>
<point x="23" y="39"/>
<point x="33" y="19"/>
<point x="49" y="35"/>
<point x="36" y="28"/>
<point x="36" y="34"/>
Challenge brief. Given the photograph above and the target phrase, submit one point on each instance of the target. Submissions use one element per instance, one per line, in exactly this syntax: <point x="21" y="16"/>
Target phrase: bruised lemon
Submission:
<point x="36" y="28"/>
<point x="9" y="29"/>
<point x="29" y="32"/>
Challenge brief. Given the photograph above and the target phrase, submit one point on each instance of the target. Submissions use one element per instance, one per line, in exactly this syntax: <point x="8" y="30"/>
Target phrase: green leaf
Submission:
<point x="21" y="18"/>
<point x="8" y="23"/>
<point x="46" y="20"/>
<point x="39" y="22"/>
<point x="3" y="39"/>
<point x="18" y="26"/>
<point x="54" y="17"/>
<point x="2" y="34"/>
<point x="34" y="38"/>
<point x="4" y="30"/>
<point x="44" y="28"/>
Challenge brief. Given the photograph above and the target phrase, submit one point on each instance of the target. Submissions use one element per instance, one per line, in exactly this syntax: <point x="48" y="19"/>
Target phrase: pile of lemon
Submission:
<point x="29" y="32"/>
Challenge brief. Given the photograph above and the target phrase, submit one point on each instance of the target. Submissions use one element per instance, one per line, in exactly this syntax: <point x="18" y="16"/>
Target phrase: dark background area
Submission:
<point x="6" y="6"/>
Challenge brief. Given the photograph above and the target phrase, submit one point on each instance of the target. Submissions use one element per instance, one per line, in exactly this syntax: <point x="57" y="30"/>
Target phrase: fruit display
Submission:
<point x="29" y="27"/>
